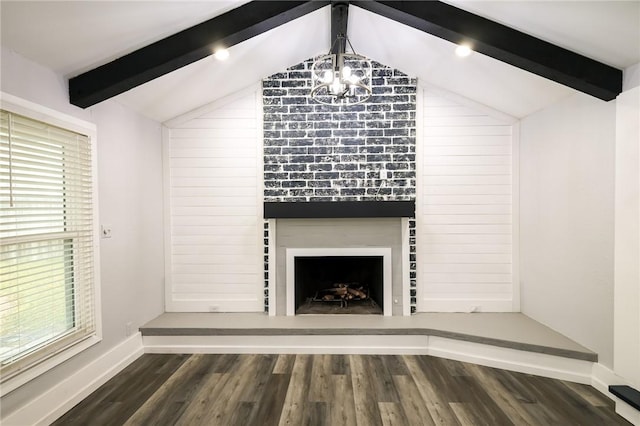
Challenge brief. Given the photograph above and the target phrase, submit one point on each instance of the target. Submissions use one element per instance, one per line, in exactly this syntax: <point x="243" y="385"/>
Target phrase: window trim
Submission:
<point x="38" y="112"/>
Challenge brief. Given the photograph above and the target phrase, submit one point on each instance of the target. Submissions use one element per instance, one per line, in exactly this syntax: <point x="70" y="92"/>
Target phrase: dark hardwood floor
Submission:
<point x="334" y="390"/>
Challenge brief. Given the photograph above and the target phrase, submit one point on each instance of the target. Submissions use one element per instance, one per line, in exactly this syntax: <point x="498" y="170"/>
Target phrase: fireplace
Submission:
<point x="339" y="280"/>
<point x="338" y="285"/>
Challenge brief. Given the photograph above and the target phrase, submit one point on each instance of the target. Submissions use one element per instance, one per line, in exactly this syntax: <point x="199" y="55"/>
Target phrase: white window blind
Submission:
<point x="46" y="235"/>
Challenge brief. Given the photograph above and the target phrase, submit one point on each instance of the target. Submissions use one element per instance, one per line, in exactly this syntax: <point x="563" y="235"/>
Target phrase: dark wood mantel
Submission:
<point x="338" y="209"/>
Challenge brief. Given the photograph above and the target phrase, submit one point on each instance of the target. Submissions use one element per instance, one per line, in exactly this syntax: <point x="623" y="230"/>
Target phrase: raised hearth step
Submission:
<point x="506" y="330"/>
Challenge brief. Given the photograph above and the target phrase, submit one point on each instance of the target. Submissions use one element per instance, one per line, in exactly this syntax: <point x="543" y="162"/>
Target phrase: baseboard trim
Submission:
<point x="53" y="403"/>
<point x="316" y="344"/>
<point x="601" y="378"/>
<point x="627" y="411"/>
<point x="552" y="366"/>
<point x="493" y="356"/>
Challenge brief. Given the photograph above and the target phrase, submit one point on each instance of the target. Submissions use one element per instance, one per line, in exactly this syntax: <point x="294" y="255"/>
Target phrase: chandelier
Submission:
<point x="340" y="77"/>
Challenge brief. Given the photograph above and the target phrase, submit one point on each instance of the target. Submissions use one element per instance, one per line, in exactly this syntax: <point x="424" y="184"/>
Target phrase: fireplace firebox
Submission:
<point x="339" y="284"/>
<point x="339" y="281"/>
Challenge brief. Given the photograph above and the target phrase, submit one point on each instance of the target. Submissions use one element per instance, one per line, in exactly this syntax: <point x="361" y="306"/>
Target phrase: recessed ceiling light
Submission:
<point x="463" y="50"/>
<point x="221" y="54"/>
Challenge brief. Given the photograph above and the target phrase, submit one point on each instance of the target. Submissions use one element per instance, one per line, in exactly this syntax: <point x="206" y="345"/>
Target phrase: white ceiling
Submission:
<point x="74" y="36"/>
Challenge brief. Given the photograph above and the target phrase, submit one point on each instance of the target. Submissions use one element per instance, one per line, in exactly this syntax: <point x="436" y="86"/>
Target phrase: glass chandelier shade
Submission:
<point x="341" y="78"/>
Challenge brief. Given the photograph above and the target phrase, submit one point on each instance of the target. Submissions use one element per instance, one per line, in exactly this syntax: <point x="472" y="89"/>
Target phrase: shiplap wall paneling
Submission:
<point x="464" y="212"/>
<point x="216" y="213"/>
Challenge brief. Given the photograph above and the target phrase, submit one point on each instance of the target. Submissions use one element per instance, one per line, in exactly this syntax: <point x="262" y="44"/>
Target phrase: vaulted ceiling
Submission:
<point x="76" y="36"/>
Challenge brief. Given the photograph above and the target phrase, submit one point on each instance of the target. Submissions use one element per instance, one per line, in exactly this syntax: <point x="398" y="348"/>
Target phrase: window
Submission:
<point x="47" y="266"/>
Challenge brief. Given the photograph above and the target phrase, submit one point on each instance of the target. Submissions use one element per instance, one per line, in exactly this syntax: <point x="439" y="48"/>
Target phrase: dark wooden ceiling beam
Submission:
<point x="504" y="44"/>
<point x="339" y="19"/>
<point x="433" y="17"/>
<point x="184" y="48"/>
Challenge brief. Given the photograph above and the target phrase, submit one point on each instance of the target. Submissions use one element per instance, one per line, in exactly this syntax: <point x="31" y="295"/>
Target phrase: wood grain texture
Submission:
<point x="333" y="390"/>
<point x="319" y="387"/>
<point x="367" y="412"/>
<point x="414" y="407"/>
<point x="437" y="406"/>
<point x="343" y="409"/>
<point x="284" y="364"/>
<point x="297" y="392"/>
<point x="392" y="414"/>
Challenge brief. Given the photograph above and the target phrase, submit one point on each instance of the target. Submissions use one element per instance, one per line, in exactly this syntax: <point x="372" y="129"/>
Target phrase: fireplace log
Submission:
<point x="342" y="293"/>
<point x="336" y="290"/>
<point x="358" y="293"/>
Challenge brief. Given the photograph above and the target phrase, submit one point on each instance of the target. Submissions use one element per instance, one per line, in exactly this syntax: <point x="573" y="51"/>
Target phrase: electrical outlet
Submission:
<point x="105" y="231"/>
<point x="128" y="329"/>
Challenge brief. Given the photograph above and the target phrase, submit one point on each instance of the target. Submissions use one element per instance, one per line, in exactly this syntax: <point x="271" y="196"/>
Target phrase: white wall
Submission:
<point x="214" y="188"/>
<point x="130" y="197"/>
<point x="566" y="220"/>
<point x="627" y="238"/>
<point x="465" y="222"/>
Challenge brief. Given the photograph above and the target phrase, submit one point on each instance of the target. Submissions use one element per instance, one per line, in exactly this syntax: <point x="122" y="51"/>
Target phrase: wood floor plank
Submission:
<point x="395" y="365"/>
<point x="569" y="402"/>
<point x="97" y="401"/>
<point x="343" y="411"/>
<point x="380" y="378"/>
<point x="373" y="390"/>
<point x="448" y="388"/>
<point x="548" y="397"/>
<point x="485" y="409"/>
<point x="197" y="411"/>
<point x="507" y="402"/>
<point x="268" y="409"/>
<point x="516" y="386"/>
<point x="241" y="414"/>
<point x="141" y="382"/>
<point x="256" y="378"/>
<point x="106" y="414"/>
<point x="541" y="414"/>
<point x="319" y="387"/>
<point x="438" y="407"/>
<point x="169" y="402"/>
<point x="590" y="394"/>
<point x="414" y="407"/>
<point x="340" y="364"/>
<point x="284" y="364"/>
<point x="297" y="391"/>
<point x="224" y="363"/>
<point x="453" y="368"/>
<point x="248" y="368"/>
<point x="464" y="414"/>
<point x="316" y="413"/>
<point x="364" y="395"/>
<point x="392" y="414"/>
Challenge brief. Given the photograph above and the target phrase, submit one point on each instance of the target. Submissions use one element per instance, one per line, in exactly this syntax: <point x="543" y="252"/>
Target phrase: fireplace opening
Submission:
<point x="339" y="285"/>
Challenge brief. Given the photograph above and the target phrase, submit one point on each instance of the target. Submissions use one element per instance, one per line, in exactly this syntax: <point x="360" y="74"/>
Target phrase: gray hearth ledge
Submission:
<point x="507" y="330"/>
